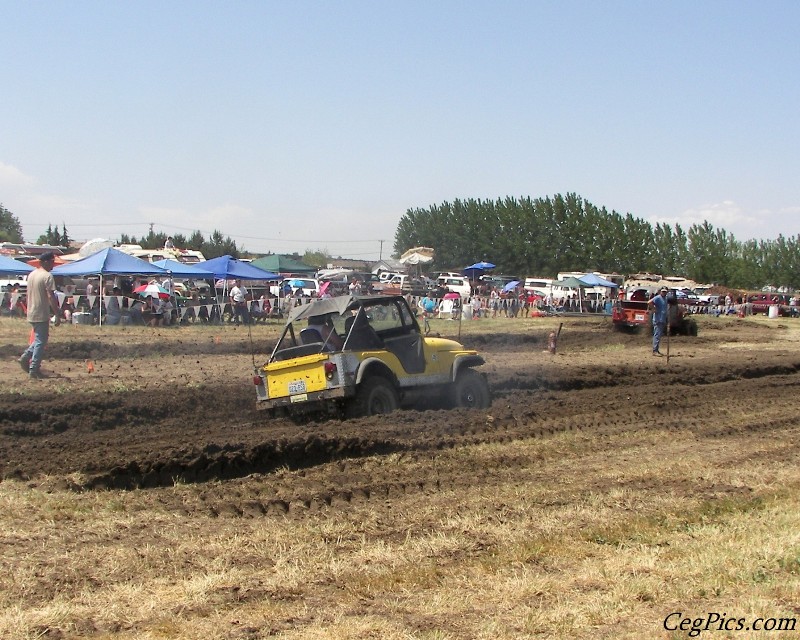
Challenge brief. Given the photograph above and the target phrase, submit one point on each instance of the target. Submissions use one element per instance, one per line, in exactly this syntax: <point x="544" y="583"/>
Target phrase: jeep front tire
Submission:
<point x="470" y="391"/>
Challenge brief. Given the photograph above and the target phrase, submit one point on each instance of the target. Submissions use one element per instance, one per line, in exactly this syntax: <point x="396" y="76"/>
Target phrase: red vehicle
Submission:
<point x="633" y="313"/>
<point x="630" y="314"/>
<point x="761" y="302"/>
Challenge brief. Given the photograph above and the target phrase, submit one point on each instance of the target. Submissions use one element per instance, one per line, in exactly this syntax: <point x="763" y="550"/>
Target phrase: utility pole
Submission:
<point x="380" y="255"/>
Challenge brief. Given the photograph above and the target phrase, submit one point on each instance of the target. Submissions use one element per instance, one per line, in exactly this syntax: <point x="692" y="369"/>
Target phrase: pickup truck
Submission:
<point x="403" y="284"/>
<point x="633" y="313"/>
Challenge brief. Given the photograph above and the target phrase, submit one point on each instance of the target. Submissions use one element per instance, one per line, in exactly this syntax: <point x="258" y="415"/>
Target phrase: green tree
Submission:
<point x="315" y="258"/>
<point x="55" y="238"/>
<point x="46" y="237"/>
<point x="195" y="241"/>
<point x="10" y="227"/>
<point x="65" y="239"/>
<point x="179" y="240"/>
<point x="217" y="246"/>
<point x="567" y="233"/>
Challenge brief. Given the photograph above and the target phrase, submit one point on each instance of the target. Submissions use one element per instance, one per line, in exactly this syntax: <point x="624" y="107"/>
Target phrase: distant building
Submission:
<point x="26" y="251"/>
<point x="347" y="263"/>
<point x="389" y="264"/>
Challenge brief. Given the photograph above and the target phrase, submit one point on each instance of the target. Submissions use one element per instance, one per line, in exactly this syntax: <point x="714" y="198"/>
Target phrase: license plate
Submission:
<point x="297" y="386"/>
<point x="639" y="316"/>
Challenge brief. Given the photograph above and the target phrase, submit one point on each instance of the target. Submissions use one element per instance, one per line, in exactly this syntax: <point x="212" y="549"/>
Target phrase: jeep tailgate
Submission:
<point x="295" y="378"/>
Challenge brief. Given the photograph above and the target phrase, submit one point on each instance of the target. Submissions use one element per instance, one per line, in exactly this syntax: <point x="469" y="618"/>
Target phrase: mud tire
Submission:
<point x="374" y="396"/>
<point x="470" y="391"/>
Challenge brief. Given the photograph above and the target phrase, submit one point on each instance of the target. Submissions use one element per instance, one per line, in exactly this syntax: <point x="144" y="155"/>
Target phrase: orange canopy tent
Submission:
<point x="35" y="262"/>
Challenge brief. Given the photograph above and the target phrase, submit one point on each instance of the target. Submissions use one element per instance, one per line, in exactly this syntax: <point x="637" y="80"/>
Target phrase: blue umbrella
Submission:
<point x="479" y="266"/>
<point x="511" y="285"/>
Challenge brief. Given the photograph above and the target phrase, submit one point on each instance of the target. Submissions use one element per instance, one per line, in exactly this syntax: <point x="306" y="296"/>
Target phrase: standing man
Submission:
<point x="659" y="305"/>
<point x="42" y="302"/>
<point x="428" y="307"/>
<point x="239" y="303"/>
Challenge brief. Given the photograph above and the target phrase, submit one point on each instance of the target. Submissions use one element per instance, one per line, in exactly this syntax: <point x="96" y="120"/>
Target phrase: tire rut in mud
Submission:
<point x="348" y="483"/>
<point x="156" y="447"/>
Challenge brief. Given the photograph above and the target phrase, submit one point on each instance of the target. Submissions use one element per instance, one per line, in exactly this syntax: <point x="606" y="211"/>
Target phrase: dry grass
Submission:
<point x="588" y="543"/>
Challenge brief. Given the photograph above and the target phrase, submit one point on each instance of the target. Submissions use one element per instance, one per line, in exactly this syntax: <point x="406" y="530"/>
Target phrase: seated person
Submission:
<point x="18" y="302"/>
<point x="359" y="333"/>
<point x="153" y="313"/>
<point x="321" y="329"/>
<point x="189" y="313"/>
<point x="260" y="309"/>
<point x="167" y="312"/>
<point x="113" y="312"/>
<point x="136" y="310"/>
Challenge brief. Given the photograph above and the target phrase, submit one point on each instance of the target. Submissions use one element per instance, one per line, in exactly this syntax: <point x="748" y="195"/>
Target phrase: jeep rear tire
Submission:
<point x="470" y="391"/>
<point x="374" y="396"/>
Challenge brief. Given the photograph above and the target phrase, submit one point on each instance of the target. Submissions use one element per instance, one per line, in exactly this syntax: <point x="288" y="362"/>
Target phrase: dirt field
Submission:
<point x="605" y="489"/>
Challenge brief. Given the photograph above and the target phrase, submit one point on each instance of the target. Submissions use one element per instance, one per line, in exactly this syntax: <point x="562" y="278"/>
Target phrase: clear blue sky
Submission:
<point x="292" y="126"/>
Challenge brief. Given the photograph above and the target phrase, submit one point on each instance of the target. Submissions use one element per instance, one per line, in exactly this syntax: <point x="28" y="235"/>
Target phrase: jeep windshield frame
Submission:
<point x="389" y="316"/>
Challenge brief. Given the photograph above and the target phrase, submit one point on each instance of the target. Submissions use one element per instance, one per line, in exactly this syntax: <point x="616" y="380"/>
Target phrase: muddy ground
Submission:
<point x="177" y="405"/>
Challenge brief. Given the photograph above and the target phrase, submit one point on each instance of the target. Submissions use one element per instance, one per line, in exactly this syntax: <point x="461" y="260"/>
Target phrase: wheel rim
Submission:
<point x="468" y="397"/>
<point x="381" y="402"/>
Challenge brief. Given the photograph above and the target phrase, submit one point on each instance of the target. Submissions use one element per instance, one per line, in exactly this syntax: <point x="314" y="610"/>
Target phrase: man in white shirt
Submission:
<point x="42" y="303"/>
<point x="238" y="296"/>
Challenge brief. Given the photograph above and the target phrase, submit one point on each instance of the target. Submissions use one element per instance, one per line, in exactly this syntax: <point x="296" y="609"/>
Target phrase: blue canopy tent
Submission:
<point x="592" y="280"/>
<point x="109" y="262"/>
<point x="229" y="268"/>
<point x="184" y="270"/>
<point x="9" y="266"/>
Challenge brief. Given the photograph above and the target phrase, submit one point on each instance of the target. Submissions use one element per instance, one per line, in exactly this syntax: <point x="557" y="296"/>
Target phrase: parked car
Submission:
<point x="761" y="302"/>
<point x="290" y="286"/>
<point x="456" y="284"/>
<point x="416" y="286"/>
<point x="386" y="276"/>
<point x="498" y="281"/>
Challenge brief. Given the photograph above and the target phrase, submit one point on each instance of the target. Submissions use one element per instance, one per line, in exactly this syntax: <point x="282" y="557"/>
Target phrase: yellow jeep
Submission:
<point x="364" y="355"/>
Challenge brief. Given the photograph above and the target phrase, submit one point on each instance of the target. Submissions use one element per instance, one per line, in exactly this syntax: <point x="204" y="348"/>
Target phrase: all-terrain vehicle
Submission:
<point x="365" y="355"/>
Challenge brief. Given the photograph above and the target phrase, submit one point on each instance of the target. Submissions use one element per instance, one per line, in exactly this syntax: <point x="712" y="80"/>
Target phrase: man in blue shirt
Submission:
<point x="659" y="306"/>
<point x="428" y="306"/>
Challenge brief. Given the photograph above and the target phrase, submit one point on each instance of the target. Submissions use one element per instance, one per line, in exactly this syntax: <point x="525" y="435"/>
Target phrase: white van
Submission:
<point x="456" y="284"/>
<point x="540" y="286"/>
<point x="290" y="286"/>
